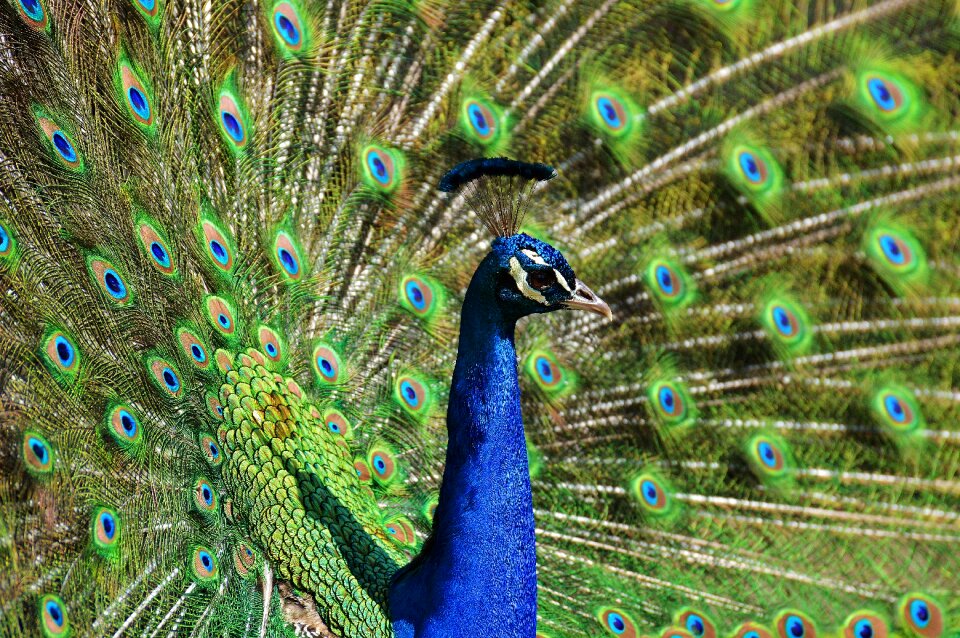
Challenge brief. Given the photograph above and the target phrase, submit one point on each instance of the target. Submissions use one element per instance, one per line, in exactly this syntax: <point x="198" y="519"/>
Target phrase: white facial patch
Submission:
<point x="537" y="259"/>
<point x="520" y="276"/>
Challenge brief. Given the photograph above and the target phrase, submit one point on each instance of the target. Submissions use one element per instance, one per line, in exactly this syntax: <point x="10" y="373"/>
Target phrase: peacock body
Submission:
<point x="231" y="295"/>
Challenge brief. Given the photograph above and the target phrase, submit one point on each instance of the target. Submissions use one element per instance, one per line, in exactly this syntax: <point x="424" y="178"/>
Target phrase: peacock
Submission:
<point x="424" y="318"/>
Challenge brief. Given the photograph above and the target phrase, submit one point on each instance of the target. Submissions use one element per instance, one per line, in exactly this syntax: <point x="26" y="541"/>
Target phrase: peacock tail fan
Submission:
<point x="230" y="293"/>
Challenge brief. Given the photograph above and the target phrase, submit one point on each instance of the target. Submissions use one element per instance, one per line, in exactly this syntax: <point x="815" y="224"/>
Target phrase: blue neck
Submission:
<point x="477" y="573"/>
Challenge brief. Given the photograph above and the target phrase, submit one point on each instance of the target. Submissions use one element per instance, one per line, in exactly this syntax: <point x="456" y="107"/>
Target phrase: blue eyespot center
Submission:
<point x="616" y="622"/>
<point x="114" y="284"/>
<point x="781" y="318"/>
<point x="750" y="167"/>
<point x="160" y="254"/>
<point x="4" y="239"/>
<point x="415" y="295"/>
<point x="53" y="610"/>
<point x="106" y="522"/>
<point x="219" y="252"/>
<point x="148" y="5"/>
<point x="271" y="349"/>
<point x="333" y="427"/>
<point x="287" y="261"/>
<point x="128" y="423"/>
<point x="478" y="119"/>
<point x="64" y="147"/>
<point x="380" y="464"/>
<point x="39" y="450"/>
<point x="232" y="126"/>
<point x="139" y="102"/>
<point x="64" y="351"/>
<point x="409" y="394"/>
<point x="751" y="634"/>
<point x="33" y="9"/>
<point x="170" y="380"/>
<point x="206" y="560"/>
<point x="863" y="629"/>
<point x="894" y="408"/>
<point x="214" y="452"/>
<point x="665" y="279"/>
<point x="881" y="94"/>
<point x="287" y="30"/>
<point x="892" y="251"/>
<point x="223" y="320"/>
<point x="795" y="627"/>
<point x="695" y="625"/>
<point x="609" y="113"/>
<point x="649" y="491"/>
<point x="667" y="399"/>
<point x="198" y="353"/>
<point x="920" y="613"/>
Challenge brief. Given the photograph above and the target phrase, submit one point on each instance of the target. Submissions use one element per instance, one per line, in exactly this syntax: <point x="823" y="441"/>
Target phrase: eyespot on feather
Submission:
<point x="54" y="622"/>
<point x="652" y="494"/>
<point x="381" y="168"/>
<point x="204" y="497"/>
<point x="865" y="624"/>
<point x="123" y="426"/>
<point x="218" y="247"/>
<point x="61" y="144"/>
<point x="326" y="364"/>
<point x="194" y="348"/>
<point x="363" y="470"/>
<point x="211" y="450"/>
<point x="751" y="630"/>
<point x="697" y="623"/>
<point x="61" y="356"/>
<point x="617" y="622"/>
<point x="37" y="454"/>
<point x="287" y="256"/>
<point x="135" y="97"/>
<point x="794" y="624"/>
<point x="232" y="121"/>
<point x="417" y="296"/>
<point x="156" y="248"/>
<point x="382" y="465"/>
<point x="336" y="423"/>
<point x="8" y="245"/>
<point x="921" y="615"/>
<point x="244" y="560"/>
<point x="150" y="8"/>
<point x="270" y="343"/>
<point x="34" y="13"/>
<point x="109" y="280"/>
<point x="221" y="316"/>
<point x="166" y="376"/>
<point x="412" y="394"/>
<point x="105" y="530"/>
<point x="204" y="565"/>
<point x="671" y="404"/>
<point x="543" y="369"/>
<point x="610" y="113"/>
<point x="288" y="27"/>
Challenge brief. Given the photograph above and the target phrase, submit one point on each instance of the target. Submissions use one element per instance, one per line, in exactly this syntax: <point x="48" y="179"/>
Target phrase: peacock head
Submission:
<point x="534" y="277"/>
<point x="530" y="276"/>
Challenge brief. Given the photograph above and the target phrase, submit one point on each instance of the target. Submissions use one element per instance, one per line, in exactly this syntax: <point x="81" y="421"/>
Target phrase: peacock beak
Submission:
<point x="586" y="299"/>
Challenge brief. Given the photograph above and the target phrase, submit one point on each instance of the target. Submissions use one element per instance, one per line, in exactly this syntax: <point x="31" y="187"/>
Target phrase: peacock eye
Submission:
<point x="541" y="279"/>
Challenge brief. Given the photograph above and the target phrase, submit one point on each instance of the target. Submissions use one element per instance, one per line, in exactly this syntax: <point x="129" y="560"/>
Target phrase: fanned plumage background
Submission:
<point x="764" y="192"/>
